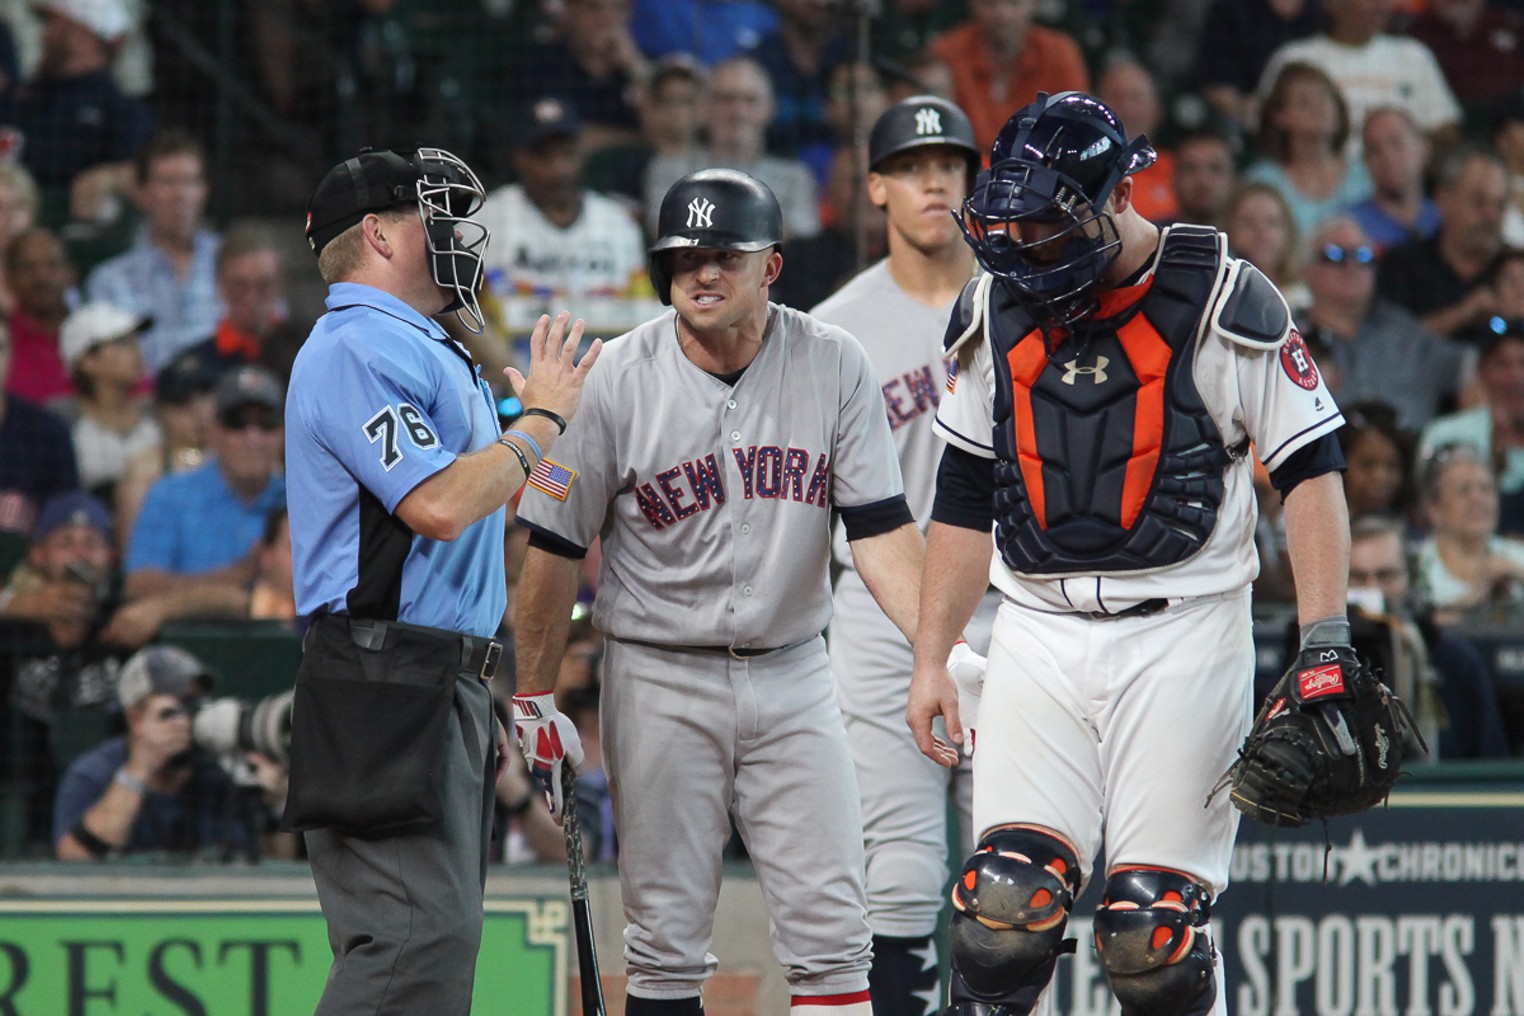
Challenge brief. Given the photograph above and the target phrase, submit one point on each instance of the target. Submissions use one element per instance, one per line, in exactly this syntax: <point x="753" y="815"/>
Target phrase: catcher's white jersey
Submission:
<point x="714" y="502"/>
<point x="1275" y="398"/>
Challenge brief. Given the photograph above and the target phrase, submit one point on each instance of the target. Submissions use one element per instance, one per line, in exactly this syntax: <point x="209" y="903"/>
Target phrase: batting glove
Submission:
<point x="548" y="739"/>
<point x="967" y="670"/>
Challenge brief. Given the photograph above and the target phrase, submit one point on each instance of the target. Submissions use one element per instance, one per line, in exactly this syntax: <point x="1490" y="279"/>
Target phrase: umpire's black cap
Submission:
<point x="922" y="120"/>
<point x="372" y="181"/>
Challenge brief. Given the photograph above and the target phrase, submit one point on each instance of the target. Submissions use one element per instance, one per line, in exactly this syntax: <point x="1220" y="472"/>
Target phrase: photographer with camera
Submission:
<point x="66" y="633"/>
<point x="153" y="788"/>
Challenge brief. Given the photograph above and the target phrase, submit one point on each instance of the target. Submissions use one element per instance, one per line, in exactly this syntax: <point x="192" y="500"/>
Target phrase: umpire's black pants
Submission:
<point x="404" y="910"/>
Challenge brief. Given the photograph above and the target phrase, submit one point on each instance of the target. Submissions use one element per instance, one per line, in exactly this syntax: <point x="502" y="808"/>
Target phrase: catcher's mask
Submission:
<point x="443" y="189"/>
<point x="1037" y="218"/>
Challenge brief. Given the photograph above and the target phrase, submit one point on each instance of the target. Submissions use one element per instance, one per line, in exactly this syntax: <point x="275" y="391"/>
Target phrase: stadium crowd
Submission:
<point x="1367" y="155"/>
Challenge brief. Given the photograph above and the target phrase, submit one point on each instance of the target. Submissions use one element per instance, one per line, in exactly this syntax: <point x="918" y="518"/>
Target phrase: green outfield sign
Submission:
<point x="238" y="957"/>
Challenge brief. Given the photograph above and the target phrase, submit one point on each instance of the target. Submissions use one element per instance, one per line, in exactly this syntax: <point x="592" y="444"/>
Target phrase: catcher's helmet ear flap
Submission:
<point x="1055" y="163"/>
<point x="919" y="121"/>
<point x="715" y="209"/>
<point x="443" y="190"/>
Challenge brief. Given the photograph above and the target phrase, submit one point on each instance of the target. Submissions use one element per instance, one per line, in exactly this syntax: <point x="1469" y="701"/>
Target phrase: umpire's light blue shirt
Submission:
<point x="380" y="400"/>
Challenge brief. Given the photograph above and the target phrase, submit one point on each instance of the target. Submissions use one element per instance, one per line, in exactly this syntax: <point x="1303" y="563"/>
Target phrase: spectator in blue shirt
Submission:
<point x="170" y="271"/>
<point x="1396" y="155"/>
<point x="711" y="30"/>
<point x="197" y="528"/>
<point x="79" y="129"/>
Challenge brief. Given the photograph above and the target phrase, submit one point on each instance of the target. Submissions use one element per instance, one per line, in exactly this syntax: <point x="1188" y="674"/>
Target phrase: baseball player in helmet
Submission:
<point x="921" y="160"/>
<point x="710" y="460"/>
<point x="1111" y="376"/>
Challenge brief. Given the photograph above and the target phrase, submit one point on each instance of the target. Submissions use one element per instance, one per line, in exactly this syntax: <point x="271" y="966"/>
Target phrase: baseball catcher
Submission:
<point x="1327" y="741"/>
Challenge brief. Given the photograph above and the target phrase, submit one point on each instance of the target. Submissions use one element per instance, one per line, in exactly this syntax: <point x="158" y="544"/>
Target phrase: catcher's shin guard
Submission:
<point x="1147" y="933"/>
<point x="1011" y="906"/>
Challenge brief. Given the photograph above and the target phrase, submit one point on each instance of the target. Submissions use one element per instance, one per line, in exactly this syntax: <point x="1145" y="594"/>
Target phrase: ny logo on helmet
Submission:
<point x="1097" y="373"/>
<point x="928" y="121"/>
<point x="700" y="213"/>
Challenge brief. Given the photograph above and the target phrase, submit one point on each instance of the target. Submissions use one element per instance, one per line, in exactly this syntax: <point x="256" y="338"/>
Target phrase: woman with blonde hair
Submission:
<point x="18" y="213"/>
<point x="1262" y="230"/>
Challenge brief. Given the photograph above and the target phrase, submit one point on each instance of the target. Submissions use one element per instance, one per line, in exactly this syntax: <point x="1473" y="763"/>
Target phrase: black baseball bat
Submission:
<point x="582" y="916"/>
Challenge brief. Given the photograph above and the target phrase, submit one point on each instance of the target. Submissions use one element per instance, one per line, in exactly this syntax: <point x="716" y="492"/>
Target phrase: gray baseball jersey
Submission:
<point x="702" y="492"/>
<point x="714" y="503"/>
<point x="904" y="794"/>
<point x="903" y="338"/>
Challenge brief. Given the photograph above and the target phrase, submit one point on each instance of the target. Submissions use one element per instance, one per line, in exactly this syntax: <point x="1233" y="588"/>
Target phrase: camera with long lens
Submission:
<point x="230" y="727"/>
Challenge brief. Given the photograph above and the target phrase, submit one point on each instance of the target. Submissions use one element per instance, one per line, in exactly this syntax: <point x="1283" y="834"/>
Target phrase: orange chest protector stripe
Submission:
<point x="1149" y="356"/>
<point x="1107" y="459"/>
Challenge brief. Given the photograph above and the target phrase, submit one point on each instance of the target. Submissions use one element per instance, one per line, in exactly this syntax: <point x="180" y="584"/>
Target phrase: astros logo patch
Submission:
<point x="1296" y="361"/>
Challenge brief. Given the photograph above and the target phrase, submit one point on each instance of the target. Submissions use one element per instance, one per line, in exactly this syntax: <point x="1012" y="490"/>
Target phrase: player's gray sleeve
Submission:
<point x="589" y="448"/>
<point x="864" y="466"/>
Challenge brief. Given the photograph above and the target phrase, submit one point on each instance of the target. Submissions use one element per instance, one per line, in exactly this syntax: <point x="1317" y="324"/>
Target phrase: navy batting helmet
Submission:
<point x="1055" y="162"/>
<point x="438" y="184"/>
<point x="716" y="209"/>
<point x="919" y="121"/>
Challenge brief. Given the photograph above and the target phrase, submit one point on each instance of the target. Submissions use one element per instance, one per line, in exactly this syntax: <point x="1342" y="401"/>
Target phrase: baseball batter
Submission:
<point x="921" y="159"/>
<point x="710" y="458"/>
<point x="1111" y="378"/>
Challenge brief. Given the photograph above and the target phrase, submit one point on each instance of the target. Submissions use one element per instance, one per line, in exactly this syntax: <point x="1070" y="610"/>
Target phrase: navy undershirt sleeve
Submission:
<point x="965" y="490"/>
<point x="876" y="518"/>
<point x="1315" y="458"/>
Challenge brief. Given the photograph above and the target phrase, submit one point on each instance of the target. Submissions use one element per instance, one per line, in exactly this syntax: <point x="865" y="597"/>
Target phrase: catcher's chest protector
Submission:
<point x="1108" y="460"/>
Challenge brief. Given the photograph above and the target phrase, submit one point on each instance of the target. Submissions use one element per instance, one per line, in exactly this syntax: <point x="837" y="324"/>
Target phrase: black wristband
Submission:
<point x="517" y="452"/>
<point x="93" y="844"/>
<point x="555" y="418"/>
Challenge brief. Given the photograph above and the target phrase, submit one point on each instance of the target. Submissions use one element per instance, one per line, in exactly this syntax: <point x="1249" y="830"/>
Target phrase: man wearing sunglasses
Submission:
<point x="1381" y="351"/>
<point x="197" y="528"/>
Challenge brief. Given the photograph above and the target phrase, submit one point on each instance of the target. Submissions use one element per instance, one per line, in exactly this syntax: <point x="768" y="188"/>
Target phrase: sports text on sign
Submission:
<point x="700" y="213"/>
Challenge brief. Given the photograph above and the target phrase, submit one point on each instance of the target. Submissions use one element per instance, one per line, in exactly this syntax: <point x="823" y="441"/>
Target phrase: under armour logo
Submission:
<point x="1072" y="370"/>
<point x="700" y="213"/>
<point x="928" y="121"/>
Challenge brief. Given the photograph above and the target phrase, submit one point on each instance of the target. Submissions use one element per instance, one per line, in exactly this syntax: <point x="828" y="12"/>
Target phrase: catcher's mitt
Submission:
<point x="1328" y="741"/>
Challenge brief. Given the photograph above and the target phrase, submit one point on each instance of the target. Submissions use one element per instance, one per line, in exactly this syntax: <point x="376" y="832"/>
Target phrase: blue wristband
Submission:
<point x="534" y="445"/>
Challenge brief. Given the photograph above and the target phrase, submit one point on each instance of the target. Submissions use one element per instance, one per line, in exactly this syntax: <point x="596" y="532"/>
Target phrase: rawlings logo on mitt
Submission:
<point x="1328" y="741"/>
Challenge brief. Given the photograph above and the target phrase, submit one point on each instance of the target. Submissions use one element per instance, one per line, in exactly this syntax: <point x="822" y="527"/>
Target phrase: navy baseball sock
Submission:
<point x="637" y="1006"/>
<point x="903" y="979"/>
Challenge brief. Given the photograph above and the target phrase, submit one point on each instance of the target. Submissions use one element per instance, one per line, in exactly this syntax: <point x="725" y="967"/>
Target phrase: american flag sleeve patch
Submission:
<point x="552" y="478"/>
<point x="952" y="375"/>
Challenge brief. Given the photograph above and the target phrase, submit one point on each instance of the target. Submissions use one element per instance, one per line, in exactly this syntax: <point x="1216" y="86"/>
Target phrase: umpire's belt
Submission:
<point x="478" y="655"/>
<point x="738" y="652"/>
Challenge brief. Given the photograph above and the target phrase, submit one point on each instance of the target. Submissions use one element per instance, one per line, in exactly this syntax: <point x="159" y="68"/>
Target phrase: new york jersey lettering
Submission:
<point x="910" y="395"/>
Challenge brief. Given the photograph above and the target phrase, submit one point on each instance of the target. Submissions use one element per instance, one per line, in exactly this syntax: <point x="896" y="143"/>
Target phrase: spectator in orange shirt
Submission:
<point x="1000" y="61"/>
<point x="1130" y="90"/>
